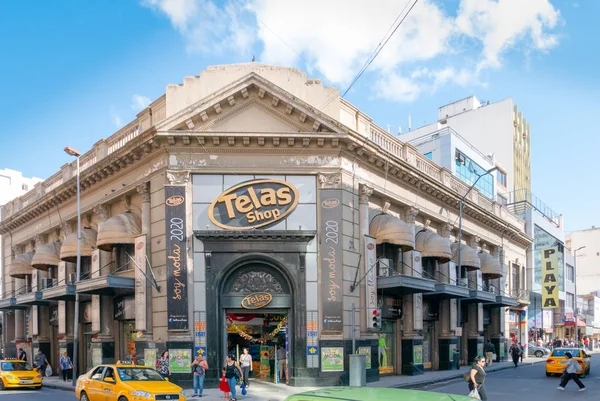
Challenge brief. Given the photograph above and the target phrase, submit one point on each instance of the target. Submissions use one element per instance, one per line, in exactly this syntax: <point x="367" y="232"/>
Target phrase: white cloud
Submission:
<point x="139" y="102"/>
<point x="432" y="47"/>
<point x="115" y="118"/>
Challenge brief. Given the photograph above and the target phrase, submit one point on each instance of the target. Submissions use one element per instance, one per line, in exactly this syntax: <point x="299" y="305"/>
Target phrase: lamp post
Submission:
<point x="459" y="261"/>
<point x="72" y="152"/>
<point x="576" y="303"/>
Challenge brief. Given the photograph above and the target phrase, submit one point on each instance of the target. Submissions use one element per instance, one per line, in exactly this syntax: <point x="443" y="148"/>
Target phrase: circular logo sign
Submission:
<point x="253" y="204"/>
<point x="175" y="200"/>
<point x="370" y="247"/>
<point x="330" y="203"/>
<point x="257" y="300"/>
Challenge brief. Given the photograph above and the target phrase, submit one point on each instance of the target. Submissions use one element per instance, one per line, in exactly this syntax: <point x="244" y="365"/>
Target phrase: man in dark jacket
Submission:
<point x="490" y="350"/>
<point x="22" y="355"/>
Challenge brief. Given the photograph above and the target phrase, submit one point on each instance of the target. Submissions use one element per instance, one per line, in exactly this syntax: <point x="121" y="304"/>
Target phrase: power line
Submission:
<point x="380" y="47"/>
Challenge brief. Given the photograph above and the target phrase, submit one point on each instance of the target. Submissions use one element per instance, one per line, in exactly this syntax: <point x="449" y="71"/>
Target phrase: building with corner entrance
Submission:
<point x="252" y="207"/>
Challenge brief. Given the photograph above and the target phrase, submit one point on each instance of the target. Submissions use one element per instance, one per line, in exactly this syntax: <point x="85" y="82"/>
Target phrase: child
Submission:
<point x="224" y="386"/>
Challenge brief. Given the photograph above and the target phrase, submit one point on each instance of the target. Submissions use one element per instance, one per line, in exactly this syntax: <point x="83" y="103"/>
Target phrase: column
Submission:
<point x="363" y="211"/>
<point x="19" y="314"/>
<point x="497" y="320"/>
<point x="448" y="342"/>
<point x="146" y="340"/>
<point x="412" y="306"/>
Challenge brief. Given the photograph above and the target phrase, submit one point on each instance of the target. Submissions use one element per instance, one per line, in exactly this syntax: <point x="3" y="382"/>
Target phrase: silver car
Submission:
<point x="534" y="350"/>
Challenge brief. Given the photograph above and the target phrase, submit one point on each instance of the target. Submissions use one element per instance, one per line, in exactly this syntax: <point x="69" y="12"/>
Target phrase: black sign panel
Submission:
<point x="391" y="307"/>
<point x="125" y="308"/>
<point x="177" y="281"/>
<point x="330" y="253"/>
<point x="53" y="315"/>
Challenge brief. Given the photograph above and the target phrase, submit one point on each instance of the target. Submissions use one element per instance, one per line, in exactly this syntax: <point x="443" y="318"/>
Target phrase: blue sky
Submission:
<point x="73" y="71"/>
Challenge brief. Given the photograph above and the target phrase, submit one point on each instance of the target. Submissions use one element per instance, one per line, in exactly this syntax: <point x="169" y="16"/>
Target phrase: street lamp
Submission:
<point x="72" y="152"/>
<point x="575" y="277"/>
<point x="460" y="218"/>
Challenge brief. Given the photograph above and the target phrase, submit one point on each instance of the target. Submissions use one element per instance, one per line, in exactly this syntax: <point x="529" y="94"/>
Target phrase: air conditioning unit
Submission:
<point x="48" y="283"/>
<point x="71" y="278"/>
<point x="383" y="267"/>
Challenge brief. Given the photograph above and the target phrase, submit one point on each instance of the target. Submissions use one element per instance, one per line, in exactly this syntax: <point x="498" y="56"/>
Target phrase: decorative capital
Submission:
<point x="474" y="242"/>
<point x="427" y="224"/>
<point x="144" y="190"/>
<point x="102" y="212"/>
<point x="39" y="239"/>
<point x="411" y="215"/>
<point x="16" y="249"/>
<point x="446" y="230"/>
<point x="126" y="202"/>
<point x="178" y="177"/>
<point x="364" y="193"/>
<point x="66" y="228"/>
<point x="330" y="180"/>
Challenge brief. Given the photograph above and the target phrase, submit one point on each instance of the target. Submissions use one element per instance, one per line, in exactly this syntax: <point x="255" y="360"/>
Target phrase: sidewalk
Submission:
<point x="276" y="392"/>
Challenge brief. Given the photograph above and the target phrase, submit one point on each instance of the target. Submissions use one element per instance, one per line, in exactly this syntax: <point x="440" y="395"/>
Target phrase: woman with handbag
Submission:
<point x="477" y="379"/>
<point x="66" y="366"/>
<point x="233" y="372"/>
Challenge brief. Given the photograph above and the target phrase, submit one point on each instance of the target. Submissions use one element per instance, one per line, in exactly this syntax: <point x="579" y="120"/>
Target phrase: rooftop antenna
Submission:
<point x="389" y="129"/>
<point x="409" y="122"/>
<point x="399" y="130"/>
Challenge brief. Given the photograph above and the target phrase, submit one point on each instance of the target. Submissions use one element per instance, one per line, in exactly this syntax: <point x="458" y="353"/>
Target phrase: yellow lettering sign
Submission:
<point x="257" y="300"/>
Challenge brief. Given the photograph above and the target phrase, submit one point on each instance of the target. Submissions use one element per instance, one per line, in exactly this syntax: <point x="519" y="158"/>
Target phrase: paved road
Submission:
<point x="43" y="394"/>
<point x="530" y="382"/>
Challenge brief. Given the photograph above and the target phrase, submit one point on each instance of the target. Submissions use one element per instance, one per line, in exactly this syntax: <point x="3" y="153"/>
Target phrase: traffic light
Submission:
<point x="376" y="319"/>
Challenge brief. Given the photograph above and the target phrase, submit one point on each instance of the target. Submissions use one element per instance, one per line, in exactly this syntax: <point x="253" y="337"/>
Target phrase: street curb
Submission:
<point x="456" y="377"/>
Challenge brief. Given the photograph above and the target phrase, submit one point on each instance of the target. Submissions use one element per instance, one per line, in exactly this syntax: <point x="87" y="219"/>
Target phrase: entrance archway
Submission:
<point x="257" y="308"/>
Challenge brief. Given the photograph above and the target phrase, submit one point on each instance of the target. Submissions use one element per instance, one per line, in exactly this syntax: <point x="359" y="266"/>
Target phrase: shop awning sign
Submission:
<point x="253" y="204"/>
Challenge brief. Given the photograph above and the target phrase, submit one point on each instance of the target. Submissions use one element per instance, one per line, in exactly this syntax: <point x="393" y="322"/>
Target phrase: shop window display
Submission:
<point x="386" y="347"/>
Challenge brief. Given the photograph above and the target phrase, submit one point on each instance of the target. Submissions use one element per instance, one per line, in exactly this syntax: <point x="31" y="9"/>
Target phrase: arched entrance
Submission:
<point x="257" y="309"/>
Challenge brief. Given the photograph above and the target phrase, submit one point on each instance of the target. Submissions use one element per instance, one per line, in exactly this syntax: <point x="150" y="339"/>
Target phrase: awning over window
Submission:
<point x="432" y="245"/>
<point x="119" y="229"/>
<point x="21" y="266"/>
<point x="46" y="255"/>
<point x="68" y="251"/>
<point x="490" y="266"/>
<point x="389" y="229"/>
<point x="468" y="258"/>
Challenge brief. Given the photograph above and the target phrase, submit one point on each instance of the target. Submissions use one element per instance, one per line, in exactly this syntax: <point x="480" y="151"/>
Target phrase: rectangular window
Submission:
<point x="515" y="278"/>
<point x="501" y="178"/>
<point x="570" y="301"/>
<point x="570" y="273"/>
<point x="24" y="187"/>
<point x="429" y="155"/>
<point x="468" y="171"/>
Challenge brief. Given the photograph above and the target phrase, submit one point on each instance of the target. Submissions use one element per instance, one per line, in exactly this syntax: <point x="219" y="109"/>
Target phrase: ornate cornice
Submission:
<point x="178" y="177"/>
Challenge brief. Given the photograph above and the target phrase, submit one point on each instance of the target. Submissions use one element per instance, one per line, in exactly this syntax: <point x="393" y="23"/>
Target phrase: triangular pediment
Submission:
<point x="251" y="104"/>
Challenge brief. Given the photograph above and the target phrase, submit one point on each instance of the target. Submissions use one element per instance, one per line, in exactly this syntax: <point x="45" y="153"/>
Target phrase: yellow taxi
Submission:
<point x="555" y="364"/>
<point x="15" y="373"/>
<point x="123" y="382"/>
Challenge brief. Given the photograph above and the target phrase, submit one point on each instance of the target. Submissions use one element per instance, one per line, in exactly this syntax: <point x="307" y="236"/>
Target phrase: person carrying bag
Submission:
<point x="476" y="379"/>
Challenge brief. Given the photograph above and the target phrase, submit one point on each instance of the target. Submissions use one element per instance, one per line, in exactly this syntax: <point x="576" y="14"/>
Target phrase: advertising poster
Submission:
<point x="367" y="352"/>
<point x="418" y="354"/>
<point x="177" y="272"/>
<point x="332" y="359"/>
<point x="150" y="357"/>
<point x="330" y="251"/>
<point x="180" y="360"/>
<point x="265" y="367"/>
<point x="550" y="278"/>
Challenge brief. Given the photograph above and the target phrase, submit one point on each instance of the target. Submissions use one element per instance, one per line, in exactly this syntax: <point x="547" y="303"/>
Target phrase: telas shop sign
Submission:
<point x="257" y="300"/>
<point x="253" y="204"/>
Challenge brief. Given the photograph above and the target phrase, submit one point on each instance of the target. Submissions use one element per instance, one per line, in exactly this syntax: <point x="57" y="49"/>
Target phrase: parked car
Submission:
<point x="557" y="360"/>
<point x="16" y="373"/>
<point x="534" y="350"/>
<point x="125" y="382"/>
<point x="373" y="393"/>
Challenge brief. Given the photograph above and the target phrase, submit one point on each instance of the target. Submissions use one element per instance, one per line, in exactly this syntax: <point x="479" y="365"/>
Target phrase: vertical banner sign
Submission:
<point x="35" y="328"/>
<point x="177" y="296"/>
<point x="312" y="339"/>
<point x="418" y="311"/>
<point x="140" y="283"/>
<point x="370" y="275"/>
<point x="62" y="317"/>
<point x="550" y="278"/>
<point x="330" y="252"/>
<point x="95" y="313"/>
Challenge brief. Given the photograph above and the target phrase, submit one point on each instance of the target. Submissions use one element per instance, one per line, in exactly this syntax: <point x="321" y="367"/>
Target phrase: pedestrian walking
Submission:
<point x="282" y="363"/>
<point x="515" y="352"/>
<point x="586" y="343"/>
<point x="490" y="350"/>
<point x="224" y="385"/>
<point x="570" y="373"/>
<point x="233" y="372"/>
<point x="522" y="349"/>
<point x="246" y="362"/>
<point x="40" y="362"/>
<point x="22" y="355"/>
<point x="199" y="367"/>
<point x="477" y="377"/>
<point x="163" y="366"/>
<point x="66" y="366"/>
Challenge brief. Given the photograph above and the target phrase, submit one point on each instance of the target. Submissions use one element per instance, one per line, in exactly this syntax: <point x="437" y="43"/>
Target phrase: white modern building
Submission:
<point x="588" y="258"/>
